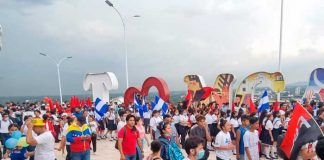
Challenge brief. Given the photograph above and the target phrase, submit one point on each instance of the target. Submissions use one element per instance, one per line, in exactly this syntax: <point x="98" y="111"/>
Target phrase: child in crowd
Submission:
<point x="223" y="143"/>
<point x="156" y="151"/>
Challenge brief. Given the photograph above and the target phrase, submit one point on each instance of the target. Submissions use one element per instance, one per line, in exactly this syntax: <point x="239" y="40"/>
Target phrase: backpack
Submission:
<point x="116" y="144"/>
<point x="171" y="150"/>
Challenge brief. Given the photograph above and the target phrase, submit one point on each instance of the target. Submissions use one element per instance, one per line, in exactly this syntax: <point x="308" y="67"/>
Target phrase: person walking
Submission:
<point x="44" y="141"/>
<point x="79" y="137"/>
<point x="128" y="138"/>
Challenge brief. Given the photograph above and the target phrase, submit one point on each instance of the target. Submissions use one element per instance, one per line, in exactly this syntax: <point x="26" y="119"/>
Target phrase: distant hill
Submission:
<point x="297" y="84"/>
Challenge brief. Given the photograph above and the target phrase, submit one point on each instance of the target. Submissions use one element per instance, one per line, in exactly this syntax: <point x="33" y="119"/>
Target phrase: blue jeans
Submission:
<point x="138" y="152"/>
<point x="80" y="155"/>
<point x="130" y="157"/>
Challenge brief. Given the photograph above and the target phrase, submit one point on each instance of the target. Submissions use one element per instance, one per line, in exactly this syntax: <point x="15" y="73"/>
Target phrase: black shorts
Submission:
<point x="275" y="134"/>
<point x="101" y="125"/>
<point x="267" y="138"/>
<point x="111" y="125"/>
<point x="146" y="121"/>
<point x="213" y="130"/>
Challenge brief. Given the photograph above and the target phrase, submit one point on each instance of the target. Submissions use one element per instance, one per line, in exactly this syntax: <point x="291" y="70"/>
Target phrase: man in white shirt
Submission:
<point x="251" y="140"/>
<point x="44" y="141"/>
<point x="154" y="122"/>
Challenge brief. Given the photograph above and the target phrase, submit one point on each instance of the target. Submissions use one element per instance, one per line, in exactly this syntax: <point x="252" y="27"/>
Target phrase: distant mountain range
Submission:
<point x="296" y="84"/>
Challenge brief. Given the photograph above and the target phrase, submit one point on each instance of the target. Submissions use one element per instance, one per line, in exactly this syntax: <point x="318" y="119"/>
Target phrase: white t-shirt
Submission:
<point x="223" y="139"/>
<point x="251" y="140"/>
<point x="276" y="123"/>
<point x="147" y="115"/>
<point x="120" y="125"/>
<point x="210" y="119"/>
<point x="239" y="121"/>
<point x="64" y="132"/>
<point x="176" y="118"/>
<point x="269" y="125"/>
<point x="193" y="118"/>
<point x="184" y="118"/>
<point x="4" y="126"/>
<point x="286" y="122"/>
<point x="45" y="146"/>
<point x="154" y="122"/>
<point x="93" y="126"/>
<point x="234" y="122"/>
<point x="263" y="122"/>
<point x="110" y="116"/>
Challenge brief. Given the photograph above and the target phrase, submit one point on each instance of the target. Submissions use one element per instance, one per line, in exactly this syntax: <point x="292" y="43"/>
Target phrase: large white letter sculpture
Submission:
<point x="101" y="84"/>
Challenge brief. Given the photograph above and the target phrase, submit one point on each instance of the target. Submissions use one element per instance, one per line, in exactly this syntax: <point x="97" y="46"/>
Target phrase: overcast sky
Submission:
<point x="171" y="39"/>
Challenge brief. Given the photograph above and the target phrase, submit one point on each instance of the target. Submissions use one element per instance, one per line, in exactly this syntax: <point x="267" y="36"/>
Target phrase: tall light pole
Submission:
<point x="58" y="70"/>
<point x="125" y="40"/>
<point x="280" y="43"/>
<point x="0" y="37"/>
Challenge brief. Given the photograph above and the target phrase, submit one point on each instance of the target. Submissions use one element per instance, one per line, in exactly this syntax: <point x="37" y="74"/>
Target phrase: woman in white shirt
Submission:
<point x="268" y="137"/>
<point x="276" y="126"/>
<point x="93" y="126"/>
<point x="287" y="119"/>
<point x="211" y="120"/>
<point x="223" y="142"/>
<point x="147" y="116"/>
<point x="111" y="124"/>
<point x="176" y="119"/>
<point x="234" y="126"/>
<point x="183" y="127"/>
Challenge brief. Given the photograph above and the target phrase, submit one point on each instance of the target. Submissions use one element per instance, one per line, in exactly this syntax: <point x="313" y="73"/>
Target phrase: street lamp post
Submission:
<point x="58" y="70"/>
<point x="125" y="40"/>
<point x="0" y="37"/>
<point x="280" y="43"/>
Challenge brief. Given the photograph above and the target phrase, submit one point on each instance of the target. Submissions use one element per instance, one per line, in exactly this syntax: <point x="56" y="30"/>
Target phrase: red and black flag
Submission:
<point x="302" y="129"/>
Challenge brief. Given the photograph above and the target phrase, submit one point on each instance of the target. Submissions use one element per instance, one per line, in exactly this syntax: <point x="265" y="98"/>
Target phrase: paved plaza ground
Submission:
<point x="107" y="151"/>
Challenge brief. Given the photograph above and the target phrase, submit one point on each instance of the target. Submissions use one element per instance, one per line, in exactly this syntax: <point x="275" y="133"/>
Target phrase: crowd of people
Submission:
<point x="184" y="132"/>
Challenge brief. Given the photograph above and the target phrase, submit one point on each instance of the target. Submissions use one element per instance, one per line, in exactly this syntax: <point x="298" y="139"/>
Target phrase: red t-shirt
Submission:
<point x="129" y="140"/>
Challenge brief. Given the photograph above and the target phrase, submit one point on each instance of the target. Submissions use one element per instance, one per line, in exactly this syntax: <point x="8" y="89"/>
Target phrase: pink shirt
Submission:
<point x="141" y="130"/>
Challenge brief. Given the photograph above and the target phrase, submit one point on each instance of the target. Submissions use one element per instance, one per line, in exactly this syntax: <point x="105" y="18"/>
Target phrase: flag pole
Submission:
<point x="280" y="43"/>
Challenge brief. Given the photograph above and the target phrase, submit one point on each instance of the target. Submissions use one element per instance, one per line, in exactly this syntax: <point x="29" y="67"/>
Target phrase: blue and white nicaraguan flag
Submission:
<point x="264" y="102"/>
<point x="160" y="104"/>
<point x="100" y="109"/>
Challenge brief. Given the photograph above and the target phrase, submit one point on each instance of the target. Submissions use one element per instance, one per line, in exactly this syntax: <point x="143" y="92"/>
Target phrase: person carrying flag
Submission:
<point x="301" y="136"/>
